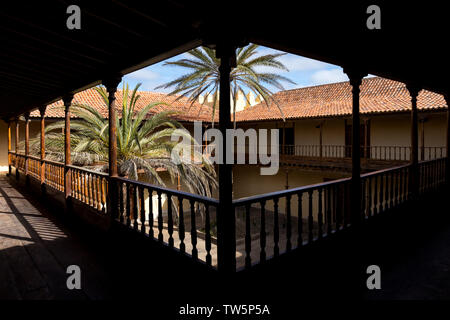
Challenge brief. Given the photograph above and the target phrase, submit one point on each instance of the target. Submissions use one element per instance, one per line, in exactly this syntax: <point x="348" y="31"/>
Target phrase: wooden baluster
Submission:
<point x="170" y="219"/>
<point x="276" y="231"/>
<point x="397" y="186"/>
<point x="262" y="236"/>
<point x="375" y="195"/>
<point x="142" y="205"/>
<point x="208" y="236"/>
<point x="128" y="205"/>
<point x="160" y="217"/>
<point x="120" y="186"/>
<point x="310" y="217"/>
<point x="91" y="189"/>
<point x="386" y="196"/>
<point x="193" y="231"/>
<point x="328" y="213"/>
<point x="288" y="223"/>
<point x="336" y="206"/>
<point x="381" y="194"/>
<point x="135" y="207"/>
<point x="248" y="238"/>
<point x="300" y="220"/>
<point x="94" y="191"/>
<point x="181" y="224"/>
<point x="102" y="194"/>
<point x="320" y="213"/>
<point x="363" y="197"/>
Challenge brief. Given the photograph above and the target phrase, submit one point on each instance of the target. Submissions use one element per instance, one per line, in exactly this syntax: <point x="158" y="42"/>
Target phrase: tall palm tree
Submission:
<point x="204" y="76"/>
<point x="143" y="144"/>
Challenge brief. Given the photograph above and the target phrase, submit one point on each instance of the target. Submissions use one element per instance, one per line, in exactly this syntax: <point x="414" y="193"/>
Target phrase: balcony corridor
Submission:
<point x="35" y="251"/>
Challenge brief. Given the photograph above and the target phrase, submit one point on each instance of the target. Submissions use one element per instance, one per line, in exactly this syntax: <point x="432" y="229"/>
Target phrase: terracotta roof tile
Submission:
<point x="92" y="98"/>
<point x="378" y="95"/>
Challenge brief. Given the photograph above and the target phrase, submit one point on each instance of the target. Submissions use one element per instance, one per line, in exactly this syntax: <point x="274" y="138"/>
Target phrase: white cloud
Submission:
<point x="328" y="76"/>
<point x="297" y="63"/>
<point x="143" y="74"/>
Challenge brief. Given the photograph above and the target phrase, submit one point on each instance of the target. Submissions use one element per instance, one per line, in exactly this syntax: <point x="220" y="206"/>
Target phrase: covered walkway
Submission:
<point x="35" y="251"/>
<point x="36" y="248"/>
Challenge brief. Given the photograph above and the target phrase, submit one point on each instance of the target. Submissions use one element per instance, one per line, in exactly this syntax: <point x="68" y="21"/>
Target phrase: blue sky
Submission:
<point x="303" y="71"/>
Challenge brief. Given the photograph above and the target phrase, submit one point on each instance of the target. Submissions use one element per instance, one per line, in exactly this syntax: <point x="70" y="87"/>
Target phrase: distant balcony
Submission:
<point x="266" y="225"/>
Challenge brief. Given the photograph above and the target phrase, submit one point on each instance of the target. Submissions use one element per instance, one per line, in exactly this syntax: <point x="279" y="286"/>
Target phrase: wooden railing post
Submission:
<point x="355" y="77"/>
<point x="16" y="160"/>
<point x="226" y="232"/>
<point x="67" y="160"/>
<point x="111" y="84"/>
<point x="447" y="164"/>
<point x="42" y="122"/>
<point x="27" y="143"/>
<point x="9" y="148"/>
<point x="414" y="176"/>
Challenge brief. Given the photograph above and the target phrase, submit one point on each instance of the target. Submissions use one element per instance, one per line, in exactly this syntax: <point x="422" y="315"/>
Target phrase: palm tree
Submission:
<point x="143" y="144"/>
<point x="204" y="76"/>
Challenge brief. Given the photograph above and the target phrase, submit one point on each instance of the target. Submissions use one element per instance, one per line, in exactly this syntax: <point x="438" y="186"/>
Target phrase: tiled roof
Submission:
<point x="378" y="95"/>
<point x="92" y="98"/>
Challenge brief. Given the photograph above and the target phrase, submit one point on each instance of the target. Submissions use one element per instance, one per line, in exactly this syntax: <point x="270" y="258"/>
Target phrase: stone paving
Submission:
<point x="35" y="253"/>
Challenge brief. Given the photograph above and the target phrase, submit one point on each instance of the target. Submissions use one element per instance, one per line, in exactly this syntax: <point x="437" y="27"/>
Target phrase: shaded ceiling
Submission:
<point x="41" y="60"/>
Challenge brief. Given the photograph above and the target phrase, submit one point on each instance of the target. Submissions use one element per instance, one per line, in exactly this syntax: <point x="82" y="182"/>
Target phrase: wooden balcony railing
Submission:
<point x="266" y="225"/>
<point x="279" y="221"/>
<point x="392" y="153"/>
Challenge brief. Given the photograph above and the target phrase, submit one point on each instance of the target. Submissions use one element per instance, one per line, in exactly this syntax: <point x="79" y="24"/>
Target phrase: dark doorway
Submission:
<point x="287" y="141"/>
<point x="364" y="144"/>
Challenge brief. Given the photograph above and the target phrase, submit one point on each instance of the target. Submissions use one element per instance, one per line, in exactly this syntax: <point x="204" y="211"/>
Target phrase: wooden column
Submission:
<point x="27" y="141"/>
<point x="67" y="160"/>
<point x="9" y="147"/>
<point x="42" y="112"/>
<point x="422" y="140"/>
<point x="355" y="77"/>
<point x="111" y="84"/>
<point x="447" y="164"/>
<point x="16" y="144"/>
<point x="226" y="231"/>
<point x="321" y="139"/>
<point x="366" y="139"/>
<point x="414" y="174"/>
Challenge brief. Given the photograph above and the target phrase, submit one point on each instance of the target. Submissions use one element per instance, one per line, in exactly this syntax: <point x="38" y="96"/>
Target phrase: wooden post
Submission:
<point x="414" y="176"/>
<point x="287" y="179"/>
<point x="321" y="139"/>
<point x="27" y="142"/>
<point x="111" y="84"/>
<point x="366" y="138"/>
<point x="355" y="77"/>
<point x="42" y="112"/>
<point x="226" y="232"/>
<point x="422" y="140"/>
<point x="9" y="148"/>
<point x="67" y="160"/>
<point x="447" y="164"/>
<point x="16" y="162"/>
